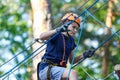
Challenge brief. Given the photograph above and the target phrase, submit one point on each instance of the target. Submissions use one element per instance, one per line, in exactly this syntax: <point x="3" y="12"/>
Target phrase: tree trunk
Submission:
<point x="106" y="47"/>
<point x="41" y="22"/>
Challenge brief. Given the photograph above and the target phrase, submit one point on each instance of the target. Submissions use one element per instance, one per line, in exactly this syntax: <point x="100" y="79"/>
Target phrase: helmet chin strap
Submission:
<point x="68" y="34"/>
<point x="66" y="24"/>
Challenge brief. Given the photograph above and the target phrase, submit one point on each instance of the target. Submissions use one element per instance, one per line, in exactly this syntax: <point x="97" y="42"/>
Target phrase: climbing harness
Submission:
<point x="51" y="64"/>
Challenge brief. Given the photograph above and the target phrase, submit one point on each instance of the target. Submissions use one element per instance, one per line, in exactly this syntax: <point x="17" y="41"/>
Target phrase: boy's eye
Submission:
<point x="74" y="27"/>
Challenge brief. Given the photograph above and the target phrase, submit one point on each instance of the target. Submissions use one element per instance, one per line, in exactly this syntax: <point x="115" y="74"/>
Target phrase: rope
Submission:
<point x="87" y="17"/>
<point x="98" y="48"/>
<point x="106" y="40"/>
<point x="15" y="76"/>
<point x="36" y="40"/>
<point x="37" y="49"/>
<point x="88" y="74"/>
<point x="83" y="69"/>
<point x="108" y="75"/>
<point x="77" y="45"/>
<point x="102" y="6"/>
<point x="101" y="23"/>
<point x="18" y="54"/>
<point x="27" y="57"/>
<point x="59" y="22"/>
<point x="19" y="65"/>
<point x="77" y="49"/>
<point x="33" y="42"/>
<point x="83" y="12"/>
<point x="80" y="33"/>
<point x="32" y="52"/>
<point x="83" y="4"/>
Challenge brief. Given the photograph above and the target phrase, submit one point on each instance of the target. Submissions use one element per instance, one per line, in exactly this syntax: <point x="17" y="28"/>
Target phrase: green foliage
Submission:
<point x="15" y="32"/>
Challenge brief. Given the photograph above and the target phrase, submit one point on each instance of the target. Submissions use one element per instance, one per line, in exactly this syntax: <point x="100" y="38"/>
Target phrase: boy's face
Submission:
<point x="73" y="29"/>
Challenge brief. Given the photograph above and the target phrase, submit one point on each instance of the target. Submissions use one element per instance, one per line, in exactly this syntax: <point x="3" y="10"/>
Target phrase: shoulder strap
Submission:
<point x="38" y="78"/>
<point x="63" y="62"/>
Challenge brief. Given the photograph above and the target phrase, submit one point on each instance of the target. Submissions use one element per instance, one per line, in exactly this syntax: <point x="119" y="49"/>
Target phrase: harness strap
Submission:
<point x="38" y="78"/>
<point x="48" y="72"/>
<point x="51" y="64"/>
<point x="63" y="63"/>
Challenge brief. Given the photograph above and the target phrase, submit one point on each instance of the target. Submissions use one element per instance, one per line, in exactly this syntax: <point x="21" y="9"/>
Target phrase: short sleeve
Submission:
<point x="54" y="37"/>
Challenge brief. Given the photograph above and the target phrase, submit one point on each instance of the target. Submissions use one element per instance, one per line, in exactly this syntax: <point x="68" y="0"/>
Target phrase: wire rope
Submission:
<point x="17" y="54"/>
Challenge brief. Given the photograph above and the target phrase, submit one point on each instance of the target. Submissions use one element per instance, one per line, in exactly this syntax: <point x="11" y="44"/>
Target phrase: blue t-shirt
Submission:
<point x="55" y="48"/>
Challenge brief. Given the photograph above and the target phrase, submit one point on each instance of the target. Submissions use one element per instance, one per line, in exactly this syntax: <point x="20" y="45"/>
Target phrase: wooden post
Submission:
<point x="106" y="49"/>
<point x="42" y="21"/>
